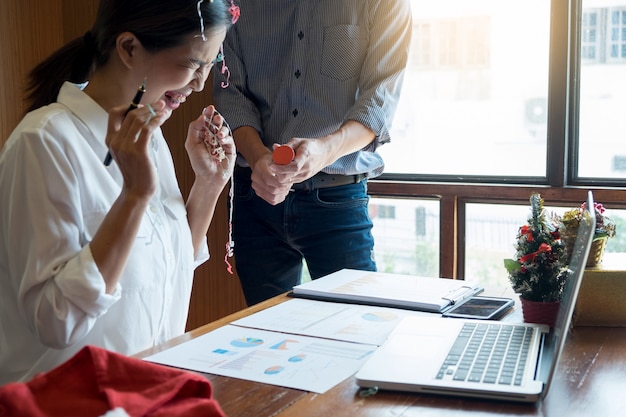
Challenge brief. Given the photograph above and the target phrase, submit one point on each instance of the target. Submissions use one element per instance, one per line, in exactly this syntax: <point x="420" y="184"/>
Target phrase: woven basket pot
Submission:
<point x="540" y="312"/>
<point x="595" y="254"/>
<point x="597" y="251"/>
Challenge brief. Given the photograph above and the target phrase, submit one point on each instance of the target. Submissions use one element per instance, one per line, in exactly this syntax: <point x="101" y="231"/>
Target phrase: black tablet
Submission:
<point x="480" y="307"/>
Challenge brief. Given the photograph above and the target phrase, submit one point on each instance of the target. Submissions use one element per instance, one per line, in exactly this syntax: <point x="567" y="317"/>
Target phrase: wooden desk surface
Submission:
<point x="590" y="381"/>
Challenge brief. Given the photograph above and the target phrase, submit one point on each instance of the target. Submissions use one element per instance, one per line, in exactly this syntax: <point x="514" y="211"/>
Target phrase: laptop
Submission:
<point x="425" y="354"/>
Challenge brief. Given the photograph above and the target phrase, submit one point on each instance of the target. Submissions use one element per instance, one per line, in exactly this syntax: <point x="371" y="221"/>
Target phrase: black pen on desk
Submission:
<point x="133" y="105"/>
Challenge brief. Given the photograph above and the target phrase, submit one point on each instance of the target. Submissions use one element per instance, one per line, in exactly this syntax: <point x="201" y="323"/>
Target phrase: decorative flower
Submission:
<point x="605" y="226"/>
<point x="538" y="271"/>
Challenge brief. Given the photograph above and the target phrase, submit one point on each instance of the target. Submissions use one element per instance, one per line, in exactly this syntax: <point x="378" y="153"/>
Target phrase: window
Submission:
<point x="501" y="99"/>
<point x="602" y="90"/>
<point x="408" y="241"/>
<point x="475" y="95"/>
<point x="451" y="43"/>
<point x="490" y="235"/>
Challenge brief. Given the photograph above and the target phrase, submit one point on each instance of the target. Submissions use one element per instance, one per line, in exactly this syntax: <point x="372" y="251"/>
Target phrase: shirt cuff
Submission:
<point x="202" y="256"/>
<point x="83" y="285"/>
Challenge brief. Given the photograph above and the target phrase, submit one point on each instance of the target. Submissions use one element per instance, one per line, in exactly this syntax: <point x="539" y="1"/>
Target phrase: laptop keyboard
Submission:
<point x="488" y="353"/>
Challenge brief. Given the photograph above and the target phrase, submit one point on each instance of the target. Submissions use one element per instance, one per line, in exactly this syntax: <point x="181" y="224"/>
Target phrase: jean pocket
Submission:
<point x="243" y="190"/>
<point x="343" y="197"/>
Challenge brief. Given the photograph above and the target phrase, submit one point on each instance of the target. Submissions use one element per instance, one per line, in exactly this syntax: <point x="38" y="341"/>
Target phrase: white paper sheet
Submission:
<point x="287" y="360"/>
<point x="347" y="322"/>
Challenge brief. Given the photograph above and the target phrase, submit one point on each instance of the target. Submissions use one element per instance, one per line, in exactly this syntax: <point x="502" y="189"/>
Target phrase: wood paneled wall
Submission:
<point x="216" y="293"/>
<point x="32" y="29"/>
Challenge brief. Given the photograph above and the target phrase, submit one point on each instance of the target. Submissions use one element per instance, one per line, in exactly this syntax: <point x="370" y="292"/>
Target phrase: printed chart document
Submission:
<point x="329" y="320"/>
<point x="300" y="362"/>
<point x="392" y="290"/>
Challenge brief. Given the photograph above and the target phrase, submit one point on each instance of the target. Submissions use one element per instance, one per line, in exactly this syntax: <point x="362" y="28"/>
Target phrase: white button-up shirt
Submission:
<point x="54" y="193"/>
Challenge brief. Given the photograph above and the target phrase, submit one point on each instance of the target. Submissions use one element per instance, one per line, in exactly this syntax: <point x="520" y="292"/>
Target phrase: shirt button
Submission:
<point x="300" y="35"/>
<point x="297" y="74"/>
<point x="294" y="112"/>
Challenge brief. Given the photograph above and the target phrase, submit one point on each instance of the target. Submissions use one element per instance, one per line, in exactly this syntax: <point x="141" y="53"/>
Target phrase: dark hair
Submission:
<point x="158" y="24"/>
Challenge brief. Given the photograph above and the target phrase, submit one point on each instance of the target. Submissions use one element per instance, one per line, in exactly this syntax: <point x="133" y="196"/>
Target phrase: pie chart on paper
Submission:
<point x="247" y="342"/>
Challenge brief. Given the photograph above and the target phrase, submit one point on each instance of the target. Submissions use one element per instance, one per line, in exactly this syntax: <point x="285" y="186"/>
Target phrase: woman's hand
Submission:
<point x="211" y="147"/>
<point x="212" y="154"/>
<point x="128" y="138"/>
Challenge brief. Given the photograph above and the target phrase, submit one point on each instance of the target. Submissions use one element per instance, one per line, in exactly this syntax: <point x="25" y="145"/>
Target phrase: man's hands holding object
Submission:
<point x="283" y="154"/>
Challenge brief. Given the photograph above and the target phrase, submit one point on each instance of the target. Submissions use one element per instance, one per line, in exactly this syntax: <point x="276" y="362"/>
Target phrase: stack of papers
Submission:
<point x="300" y="362"/>
<point x="310" y="344"/>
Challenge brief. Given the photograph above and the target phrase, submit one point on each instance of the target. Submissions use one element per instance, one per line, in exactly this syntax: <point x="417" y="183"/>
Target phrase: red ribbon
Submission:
<point x="543" y="248"/>
<point x="526" y="230"/>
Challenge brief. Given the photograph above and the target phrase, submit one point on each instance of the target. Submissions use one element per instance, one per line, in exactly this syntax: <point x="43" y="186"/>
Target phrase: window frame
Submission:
<point x="560" y="187"/>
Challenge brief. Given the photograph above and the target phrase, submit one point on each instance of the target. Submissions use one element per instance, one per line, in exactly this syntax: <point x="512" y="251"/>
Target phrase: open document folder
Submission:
<point x="391" y="290"/>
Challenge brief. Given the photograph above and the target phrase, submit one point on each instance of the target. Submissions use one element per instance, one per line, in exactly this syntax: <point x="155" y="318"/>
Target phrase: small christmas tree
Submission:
<point x="539" y="270"/>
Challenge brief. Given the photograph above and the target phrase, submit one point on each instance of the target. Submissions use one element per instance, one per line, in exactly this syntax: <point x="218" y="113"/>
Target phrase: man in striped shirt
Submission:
<point x="324" y="77"/>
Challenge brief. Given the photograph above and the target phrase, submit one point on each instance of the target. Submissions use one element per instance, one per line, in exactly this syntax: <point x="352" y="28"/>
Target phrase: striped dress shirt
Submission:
<point x="303" y="68"/>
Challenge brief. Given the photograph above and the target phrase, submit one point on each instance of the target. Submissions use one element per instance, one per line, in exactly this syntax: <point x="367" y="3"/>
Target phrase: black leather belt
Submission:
<point x="317" y="181"/>
<point x="324" y="180"/>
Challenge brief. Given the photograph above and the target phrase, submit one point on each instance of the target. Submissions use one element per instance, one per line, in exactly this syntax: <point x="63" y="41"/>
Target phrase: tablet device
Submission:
<point x="480" y="307"/>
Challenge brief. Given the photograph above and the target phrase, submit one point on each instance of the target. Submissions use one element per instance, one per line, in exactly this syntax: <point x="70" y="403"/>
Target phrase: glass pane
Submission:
<point x="490" y="238"/>
<point x="602" y="153"/>
<point x="475" y="93"/>
<point x="406" y="236"/>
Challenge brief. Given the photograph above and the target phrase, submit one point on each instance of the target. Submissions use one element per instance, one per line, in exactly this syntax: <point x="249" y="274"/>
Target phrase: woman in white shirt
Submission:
<point x="104" y="254"/>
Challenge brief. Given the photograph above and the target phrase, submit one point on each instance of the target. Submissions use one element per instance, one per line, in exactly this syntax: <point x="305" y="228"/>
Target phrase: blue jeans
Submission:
<point x="330" y="228"/>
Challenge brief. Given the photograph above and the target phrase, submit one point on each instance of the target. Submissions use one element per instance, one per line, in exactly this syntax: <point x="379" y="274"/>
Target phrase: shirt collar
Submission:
<point x="85" y="108"/>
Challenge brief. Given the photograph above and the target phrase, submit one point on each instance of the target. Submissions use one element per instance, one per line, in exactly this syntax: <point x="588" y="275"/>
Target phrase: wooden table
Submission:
<point x="590" y="381"/>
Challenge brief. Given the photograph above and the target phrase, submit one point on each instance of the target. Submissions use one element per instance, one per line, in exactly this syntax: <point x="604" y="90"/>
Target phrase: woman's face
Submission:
<point x="177" y="72"/>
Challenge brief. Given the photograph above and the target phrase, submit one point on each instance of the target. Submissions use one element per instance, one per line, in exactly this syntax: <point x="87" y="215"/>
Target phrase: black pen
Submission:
<point x="133" y="105"/>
